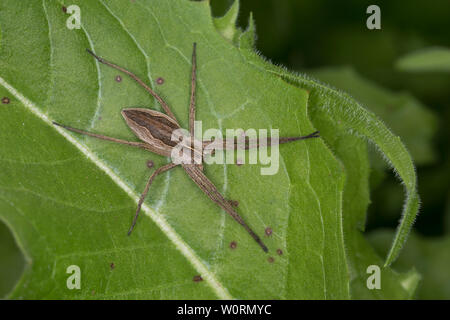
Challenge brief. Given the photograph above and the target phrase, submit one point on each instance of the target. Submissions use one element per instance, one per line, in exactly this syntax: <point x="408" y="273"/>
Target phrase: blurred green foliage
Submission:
<point x="426" y="60"/>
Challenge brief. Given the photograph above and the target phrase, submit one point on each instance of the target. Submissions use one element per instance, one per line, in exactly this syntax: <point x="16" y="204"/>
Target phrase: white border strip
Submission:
<point x="160" y="221"/>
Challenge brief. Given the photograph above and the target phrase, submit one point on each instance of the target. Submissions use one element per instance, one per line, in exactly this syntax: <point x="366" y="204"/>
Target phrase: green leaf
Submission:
<point x="426" y="60"/>
<point x="350" y="115"/>
<point x="400" y="111"/>
<point x="431" y="258"/>
<point x="70" y="199"/>
<point x="226" y="25"/>
<point x="352" y="152"/>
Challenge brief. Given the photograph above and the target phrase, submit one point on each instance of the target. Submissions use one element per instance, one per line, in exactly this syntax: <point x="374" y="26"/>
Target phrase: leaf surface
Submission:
<point x="329" y="103"/>
<point x="70" y="199"/>
<point x="347" y="127"/>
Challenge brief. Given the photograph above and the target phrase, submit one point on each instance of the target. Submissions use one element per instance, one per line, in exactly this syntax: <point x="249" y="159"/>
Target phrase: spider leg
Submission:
<point x="102" y="137"/>
<point x="211" y="191"/>
<point x="147" y="187"/>
<point x="163" y="104"/>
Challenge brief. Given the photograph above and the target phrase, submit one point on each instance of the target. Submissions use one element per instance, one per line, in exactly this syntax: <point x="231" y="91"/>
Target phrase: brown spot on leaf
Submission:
<point x="233" y="244"/>
<point x="234" y="203"/>
<point x="118" y="78"/>
<point x="270" y="259"/>
<point x="6" y="100"/>
<point x="160" y="81"/>
<point x="279" y="252"/>
<point x="64" y="9"/>
<point x="150" y="164"/>
<point x="268" y="231"/>
<point x="112" y="265"/>
<point x="197" y="278"/>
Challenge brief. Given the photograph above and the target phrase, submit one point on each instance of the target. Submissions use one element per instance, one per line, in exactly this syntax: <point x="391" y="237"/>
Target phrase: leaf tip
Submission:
<point x="226" y="24"/>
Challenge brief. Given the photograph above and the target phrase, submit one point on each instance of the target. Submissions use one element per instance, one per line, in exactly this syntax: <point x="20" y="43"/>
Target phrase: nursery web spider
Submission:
<point x="155" y="129"/>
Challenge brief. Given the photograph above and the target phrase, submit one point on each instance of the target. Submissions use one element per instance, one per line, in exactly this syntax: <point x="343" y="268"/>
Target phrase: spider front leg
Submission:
<point x="163" y="104"/>
<point x="252" y="143"/>
<point x="192" y="100"/>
